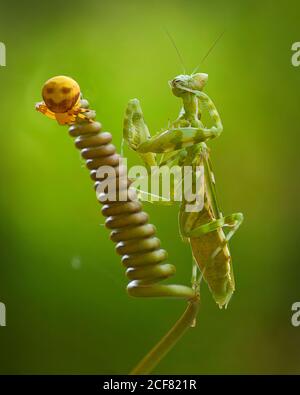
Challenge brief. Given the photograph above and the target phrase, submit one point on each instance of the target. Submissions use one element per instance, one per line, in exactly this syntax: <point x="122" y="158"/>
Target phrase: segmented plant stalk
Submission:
<point x="134" y="236"/>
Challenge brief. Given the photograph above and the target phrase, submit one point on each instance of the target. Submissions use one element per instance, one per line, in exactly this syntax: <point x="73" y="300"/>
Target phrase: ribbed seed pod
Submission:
<point x="135" y="238"/>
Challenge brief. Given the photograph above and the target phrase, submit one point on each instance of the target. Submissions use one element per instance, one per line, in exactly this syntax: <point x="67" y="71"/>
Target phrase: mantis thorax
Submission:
<point x="186" y="87"/>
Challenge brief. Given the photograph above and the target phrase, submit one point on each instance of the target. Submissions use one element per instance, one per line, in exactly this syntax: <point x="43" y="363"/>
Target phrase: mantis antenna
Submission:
<point x="209" y="51"/>
<point x="176" y="49"/>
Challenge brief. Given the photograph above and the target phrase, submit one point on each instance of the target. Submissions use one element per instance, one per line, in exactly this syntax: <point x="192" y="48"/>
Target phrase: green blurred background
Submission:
<point x="61" y="281"/>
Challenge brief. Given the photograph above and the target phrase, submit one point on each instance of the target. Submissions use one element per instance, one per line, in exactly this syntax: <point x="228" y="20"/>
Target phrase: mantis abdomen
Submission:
<point x="212" y="255"/>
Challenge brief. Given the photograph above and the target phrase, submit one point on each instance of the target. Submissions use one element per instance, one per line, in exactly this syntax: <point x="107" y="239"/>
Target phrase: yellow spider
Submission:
<point x="61" y="100"/>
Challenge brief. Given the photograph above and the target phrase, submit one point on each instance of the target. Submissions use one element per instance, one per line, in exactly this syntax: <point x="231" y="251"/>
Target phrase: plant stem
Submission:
<point x="159" y="351"/>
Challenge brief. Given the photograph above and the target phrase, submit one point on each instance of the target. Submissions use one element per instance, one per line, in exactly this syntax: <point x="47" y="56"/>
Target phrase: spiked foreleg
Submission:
<point x="182" y="137"/>
<point x="136" y="132"/>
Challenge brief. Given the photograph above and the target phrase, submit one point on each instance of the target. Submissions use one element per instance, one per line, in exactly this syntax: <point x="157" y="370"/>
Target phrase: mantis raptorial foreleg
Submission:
<point x="181" y="137"/>
<point x="137" y="135"/>
<point x="135" y="130"/>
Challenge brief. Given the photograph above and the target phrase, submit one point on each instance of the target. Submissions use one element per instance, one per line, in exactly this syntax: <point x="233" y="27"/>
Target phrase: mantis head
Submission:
<point x="188" y="83"/>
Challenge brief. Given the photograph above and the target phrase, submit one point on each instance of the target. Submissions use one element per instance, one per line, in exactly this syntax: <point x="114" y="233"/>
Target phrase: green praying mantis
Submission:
<point x="184" y="144"/>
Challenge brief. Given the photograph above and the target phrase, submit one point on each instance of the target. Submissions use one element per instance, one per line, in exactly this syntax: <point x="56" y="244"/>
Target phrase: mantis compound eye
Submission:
<point x="199" y="81"/>
<point x="177" y="85"/>
<point x="176" y="81"/>
<point x="60" y="94"/>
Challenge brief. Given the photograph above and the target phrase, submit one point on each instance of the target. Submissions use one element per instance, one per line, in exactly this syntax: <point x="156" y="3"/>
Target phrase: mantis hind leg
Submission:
<point x="232" y="221"/>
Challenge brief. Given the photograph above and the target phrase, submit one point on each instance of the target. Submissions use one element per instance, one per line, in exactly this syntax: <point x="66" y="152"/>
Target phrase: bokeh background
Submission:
<point x="61" y="281"/>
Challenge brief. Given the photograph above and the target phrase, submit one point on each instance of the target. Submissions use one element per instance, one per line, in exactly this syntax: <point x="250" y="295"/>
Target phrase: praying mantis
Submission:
<point x="184" y="144"/>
